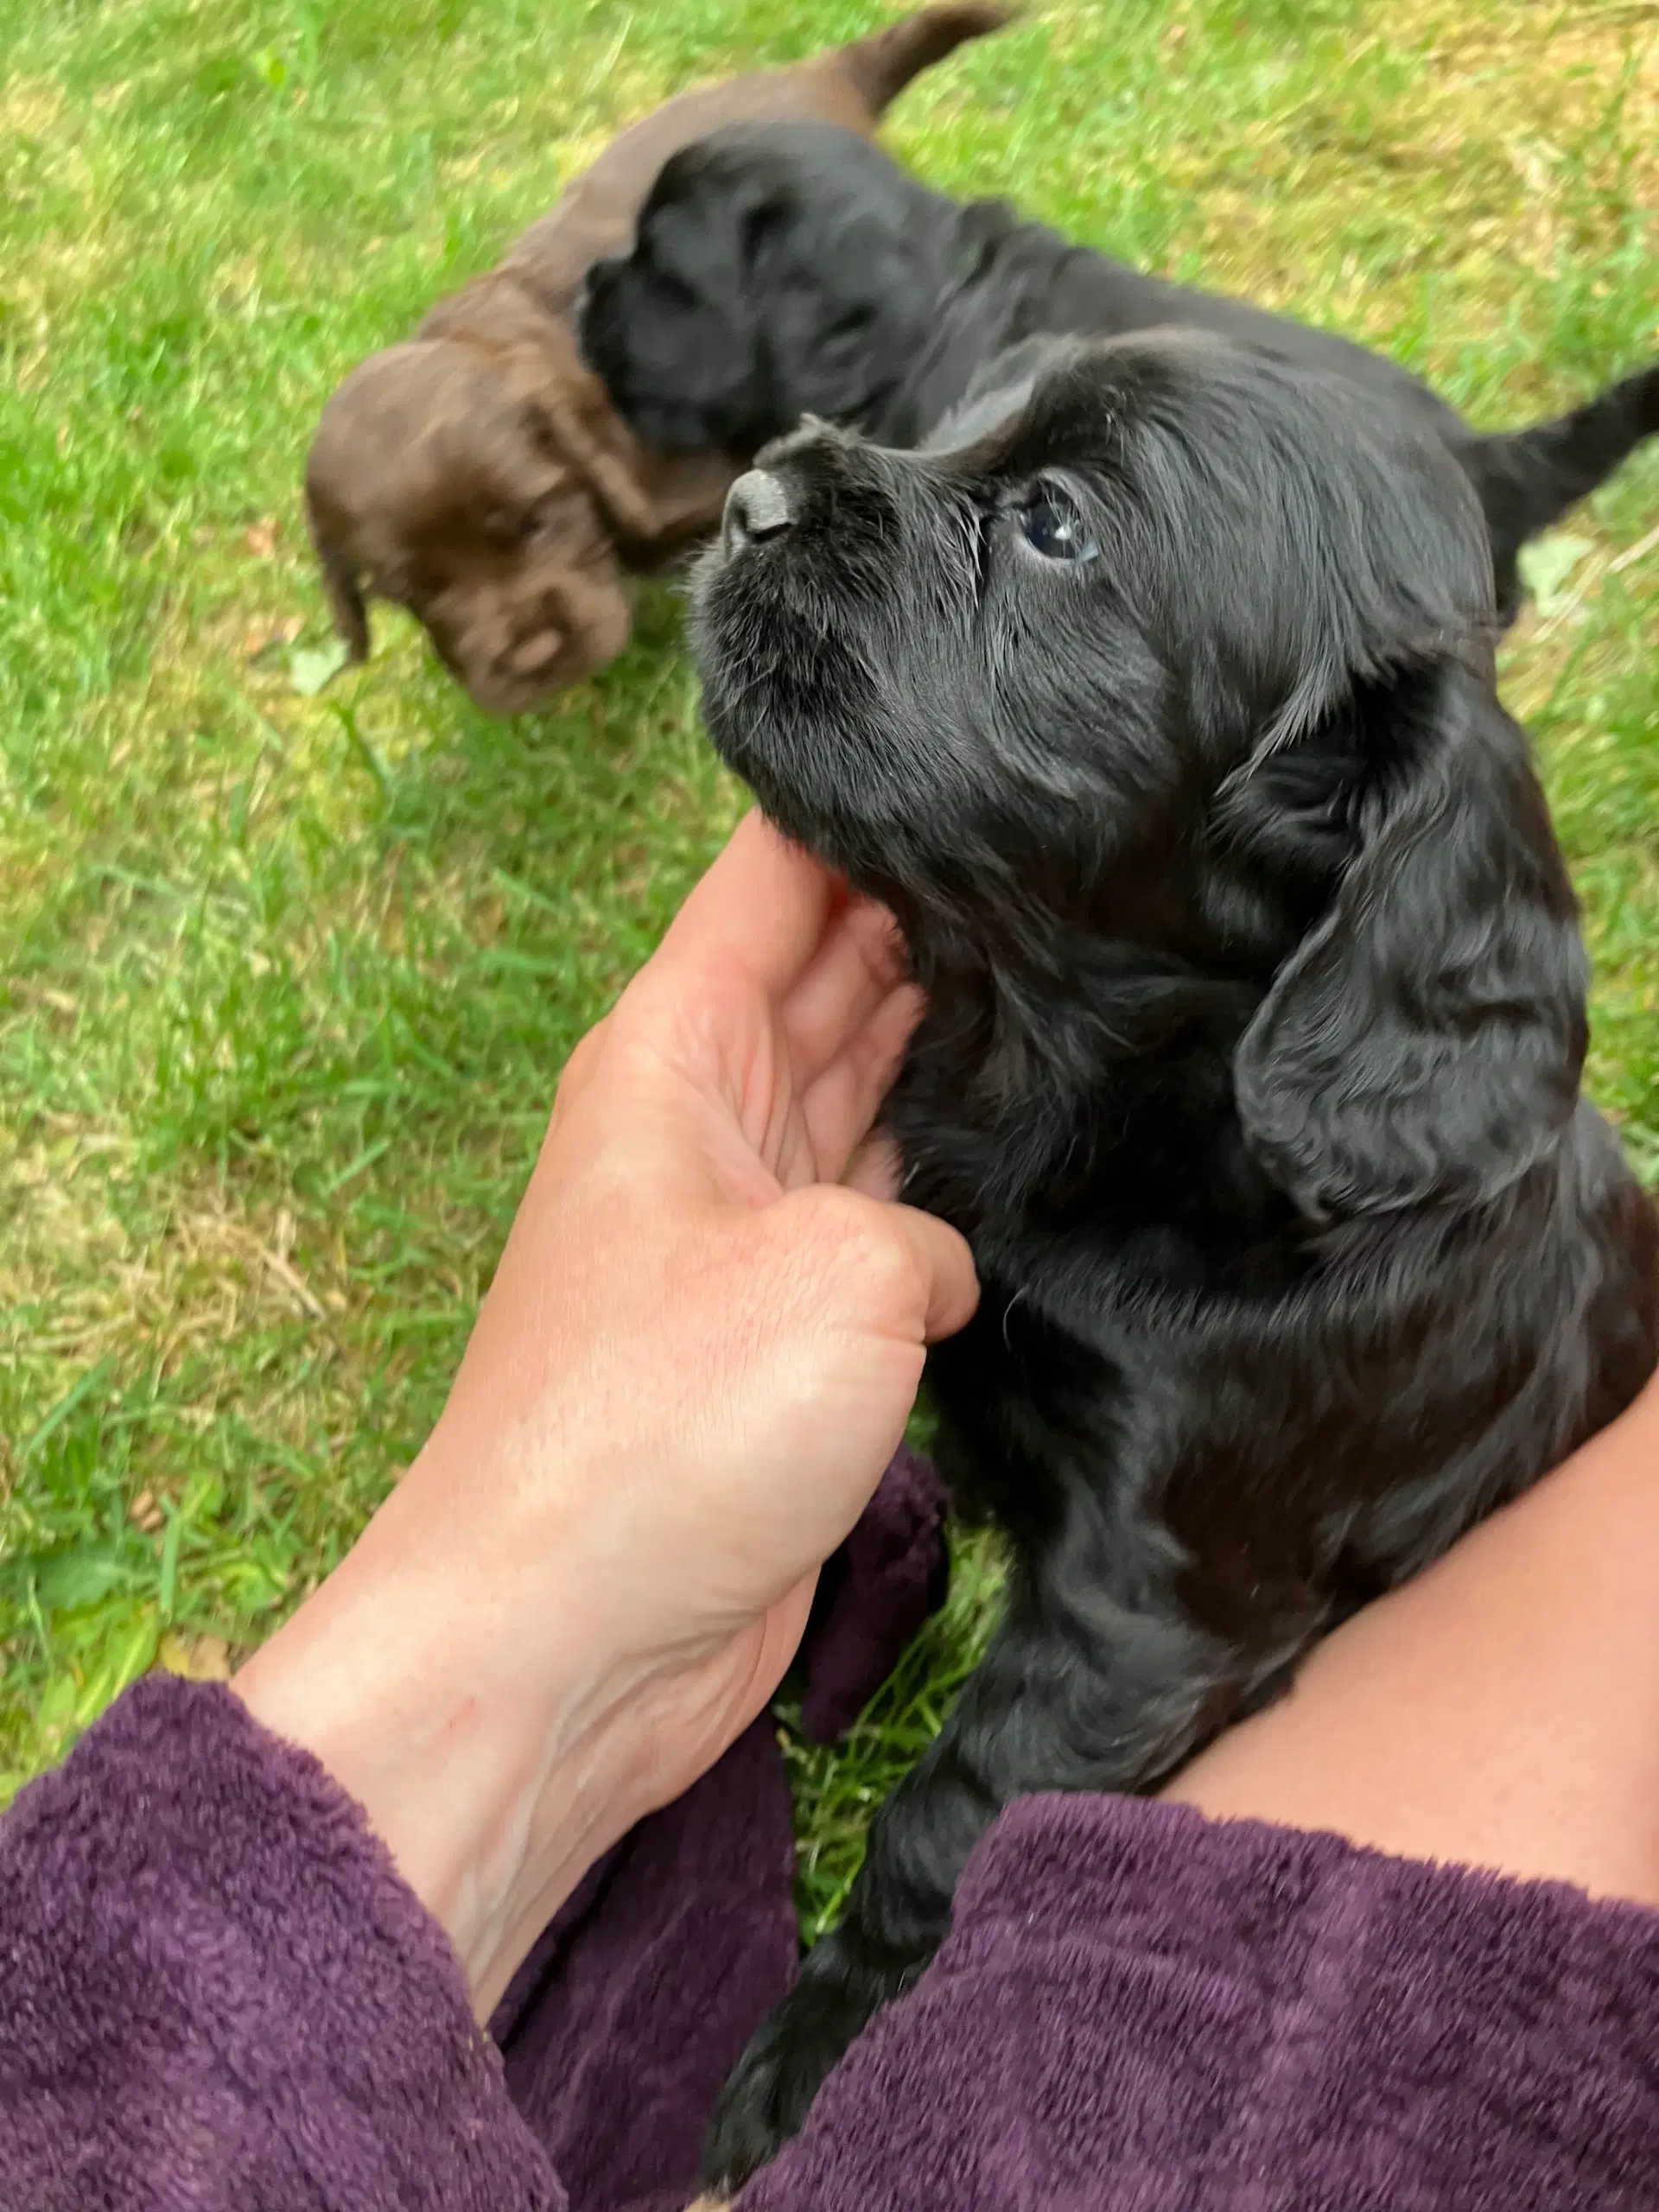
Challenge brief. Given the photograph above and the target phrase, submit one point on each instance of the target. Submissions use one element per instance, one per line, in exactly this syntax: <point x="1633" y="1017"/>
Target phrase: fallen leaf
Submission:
<point x="309" y="669"/>
<point x="195" y="1658"/>
<point x="1548" y="563"/>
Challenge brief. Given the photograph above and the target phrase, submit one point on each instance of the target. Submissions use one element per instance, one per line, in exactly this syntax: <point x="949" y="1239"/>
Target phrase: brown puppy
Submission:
<point x="479" y="475"/>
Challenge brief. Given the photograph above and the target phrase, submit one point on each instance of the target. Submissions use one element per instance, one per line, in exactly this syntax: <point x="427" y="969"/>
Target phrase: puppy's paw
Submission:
<point x="769" y="2091"/>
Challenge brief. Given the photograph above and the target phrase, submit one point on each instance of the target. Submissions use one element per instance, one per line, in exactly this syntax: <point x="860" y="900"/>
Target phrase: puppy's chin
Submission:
<point x="760" y="670"/>
<point x="791" y="704"/>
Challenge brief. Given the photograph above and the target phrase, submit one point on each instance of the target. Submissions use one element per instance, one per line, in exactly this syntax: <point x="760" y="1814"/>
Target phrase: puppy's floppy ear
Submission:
<point x="341" y="583"/>
<point x="688" y="495"/>
<point x="716" y="361"/>
<point x="580" y="421"/>
<point x="538" y="354"/>
<point x="1425" y="1042"/>
<point x="676" y="328"/>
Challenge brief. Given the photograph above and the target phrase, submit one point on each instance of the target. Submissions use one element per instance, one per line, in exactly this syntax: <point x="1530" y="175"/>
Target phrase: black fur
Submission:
<point x="1251" y="1061"/>
<point x="783" y="272"/>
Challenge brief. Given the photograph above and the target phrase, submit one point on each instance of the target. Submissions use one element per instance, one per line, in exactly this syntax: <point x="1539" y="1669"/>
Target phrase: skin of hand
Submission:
<point x="698" y="1354"/>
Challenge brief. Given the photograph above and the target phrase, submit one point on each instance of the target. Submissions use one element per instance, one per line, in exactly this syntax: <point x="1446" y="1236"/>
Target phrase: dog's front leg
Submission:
<point x="1083" y="1688"/>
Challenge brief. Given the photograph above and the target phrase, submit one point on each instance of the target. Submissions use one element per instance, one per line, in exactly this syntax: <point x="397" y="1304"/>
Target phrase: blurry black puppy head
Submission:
<point x="777" y="270"/>
<point x="1189" y="650"/>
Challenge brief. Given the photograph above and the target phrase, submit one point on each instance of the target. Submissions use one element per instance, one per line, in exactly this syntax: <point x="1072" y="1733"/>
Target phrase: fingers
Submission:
<point x="857" y="965"/>
<point x="875" y="1168"/>
<point x="841" y="1105"/>
<point x="762" y="911"/>
<point x="770" y="949"/>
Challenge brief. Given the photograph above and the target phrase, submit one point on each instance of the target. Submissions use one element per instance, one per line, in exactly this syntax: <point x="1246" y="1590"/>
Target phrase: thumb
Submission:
<point x="907" y="1274"/>
<point x="947" y="1265"/>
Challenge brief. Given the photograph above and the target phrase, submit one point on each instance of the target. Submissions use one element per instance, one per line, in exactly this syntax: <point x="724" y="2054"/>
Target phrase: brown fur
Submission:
<point x="478" y="474"/>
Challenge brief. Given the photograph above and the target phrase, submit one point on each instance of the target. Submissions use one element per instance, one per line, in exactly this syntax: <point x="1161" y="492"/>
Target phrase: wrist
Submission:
<point x="494" y="1774"/>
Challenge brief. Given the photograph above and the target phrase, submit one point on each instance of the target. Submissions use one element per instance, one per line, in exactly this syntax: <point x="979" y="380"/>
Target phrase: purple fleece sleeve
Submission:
<point x="216" y="1995"/>
<point x="1140" y="2011"/>
<point x="873" y="1596"/>
<point x="215" y="1991"/>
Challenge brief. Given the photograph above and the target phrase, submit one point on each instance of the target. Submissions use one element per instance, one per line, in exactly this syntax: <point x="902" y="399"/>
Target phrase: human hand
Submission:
<point x="698" y="1354"/>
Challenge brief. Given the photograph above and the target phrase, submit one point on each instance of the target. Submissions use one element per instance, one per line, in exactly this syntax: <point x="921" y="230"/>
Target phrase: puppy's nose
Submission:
<point x="757" y="507"/>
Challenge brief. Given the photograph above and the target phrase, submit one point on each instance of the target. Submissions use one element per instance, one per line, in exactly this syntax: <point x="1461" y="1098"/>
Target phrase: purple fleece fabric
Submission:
<point x="215" y="1991"/>
<point x="217" y="1996"/>
<point x="873" y="1596"/>
<point x="1140" y="2009"/>
<point x="626" y="2016"/>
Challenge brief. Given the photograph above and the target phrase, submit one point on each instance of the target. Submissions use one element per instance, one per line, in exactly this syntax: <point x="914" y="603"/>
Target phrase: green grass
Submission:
<point x="287" y="980"/>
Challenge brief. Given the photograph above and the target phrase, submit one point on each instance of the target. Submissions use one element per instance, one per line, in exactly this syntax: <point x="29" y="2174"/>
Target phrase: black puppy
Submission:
<point x="783" y="272"/>
<point x="1161" y="712"/>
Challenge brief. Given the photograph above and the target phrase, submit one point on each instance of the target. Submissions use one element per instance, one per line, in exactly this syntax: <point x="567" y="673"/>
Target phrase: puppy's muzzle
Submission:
<point x="758" y="507"/>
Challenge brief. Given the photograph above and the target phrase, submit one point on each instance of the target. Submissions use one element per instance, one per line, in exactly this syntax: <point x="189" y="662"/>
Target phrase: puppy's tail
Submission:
<point x="883" y="64"/>
<point x="1527" y="480"/>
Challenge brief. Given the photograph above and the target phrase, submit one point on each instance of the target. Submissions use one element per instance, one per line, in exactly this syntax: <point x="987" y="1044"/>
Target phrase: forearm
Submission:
<point x="494" y="1774"/>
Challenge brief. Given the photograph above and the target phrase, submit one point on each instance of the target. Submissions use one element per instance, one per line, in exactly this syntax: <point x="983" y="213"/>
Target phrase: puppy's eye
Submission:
<point x="1052" y="524"/>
